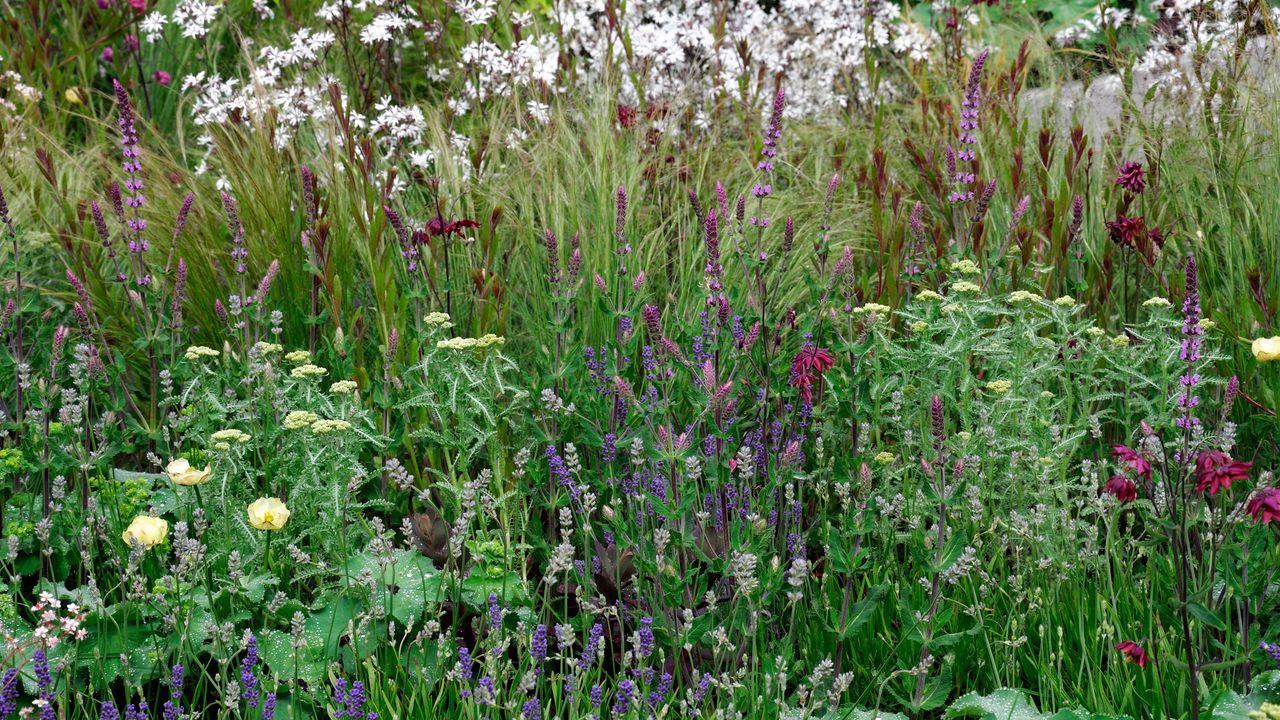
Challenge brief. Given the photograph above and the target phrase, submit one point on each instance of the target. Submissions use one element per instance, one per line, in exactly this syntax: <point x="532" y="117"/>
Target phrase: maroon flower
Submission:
<point x="1133" y="652"/>
<point x="626" y="115"/>
<point x="808" y="366"/>
<point x="1127" y="231"/>
<point x="1133" y="459"/>
<point x="1122" y="487"/>
<point x="1129" y="176"/>
<point x="438" y="226"/>
<point x="1264" y="506"/>
<point x="1215" y="470"/>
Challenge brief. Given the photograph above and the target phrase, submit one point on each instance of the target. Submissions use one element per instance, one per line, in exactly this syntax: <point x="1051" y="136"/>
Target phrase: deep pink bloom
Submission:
<point x="1133" y="458"/>
<point x="108" y="54"/>
<point x="1133" y="652"/>
<point x="1265" y="505"/>
<point x="1130" y="177"/>
<point x="1122" y="487"/>
<point x="1215" y="470"/>
<point x="1128" y="231"/>
<point x="161" y="77"/>
<point x="138" y="5"/>
<point x="808" y="366"/>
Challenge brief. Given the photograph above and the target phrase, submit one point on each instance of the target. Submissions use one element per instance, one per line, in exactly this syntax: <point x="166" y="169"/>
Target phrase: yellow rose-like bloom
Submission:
<point x="181" y="473"/>
<point x="146" y="531"/>
<point x="268" y="513"/>
<point x="1267" y="349"/>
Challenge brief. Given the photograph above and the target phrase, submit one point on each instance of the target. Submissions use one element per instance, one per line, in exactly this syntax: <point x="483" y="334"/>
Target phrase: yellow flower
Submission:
<point x="195" y="352"/>
<point x="876" y="308"/>
<point x="928" y="295"/>
<point x="299" y="419"/>
<point x="1065" y="301"/>
<point x="146" y="531"/>
<point x="919" y="326"/>
<point x="885" y="458"/>
<point x="268" y="513"/>
<point x="75" y="96"/>
<point x="1095" y="331"/>
<point x="964" y="286"/>
<point x="1000" y="387"/>
<point x="965" y="267"/>
<point x="266" y="348"/>
<point x="308" y="370"/>
<point x="1267" y="349"/>
<point x="438" y="318"/>
<point x="343" y="387"/>
<point x="1018" y="296"/>
<point x="1156" y="302"/>
<point x="297" y="357"/>
<point x="181" y="473"/>
<point x="323" y="427"/>
<point x="230" y="436"/>
<point x="1120" y="341"/>
<point x="1207" y="324"/>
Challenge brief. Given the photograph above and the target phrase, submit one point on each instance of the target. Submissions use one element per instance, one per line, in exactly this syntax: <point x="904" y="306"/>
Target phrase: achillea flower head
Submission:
<point x="1215" y="470"/>
<point x="1130" y="177"/>
<point x="1133" y="652"/>
<point x="1122" y="488"/>
<point x="1264" y="507"/>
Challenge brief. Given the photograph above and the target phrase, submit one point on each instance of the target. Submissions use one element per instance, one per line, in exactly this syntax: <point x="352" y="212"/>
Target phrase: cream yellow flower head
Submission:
<point x="964" y="286"/>
<point x="1156" y="302"/>
<point x="323" y="427"/>
<point x="231" y="436"/>
<point x="1095" y="331"/>
<point x="1120" y="341"/>
<point x="876" y="308"/>
<point x="470" y="343"/>
<point x="343" y="387"/>
<point x="197" y="352"/>
<point x="885" y="457"/>
<point x="950" y="308"/>
<point x="928" y="295"/>
<point x="1021" y="296"/>
<point x="307" y="371"/>
<point x="919" y="326"/>
<point x="438" y="318"/>
<point x="1065" y="301"/>
<point x="1000" y="387"/>
<point x="298" y="356"/>
<point x="268" y="513"/>
<point x="965" y="266"/>
<point x="1266" y="349"/>
<point x="147" y="531"/>
<point x="181" y="472"/>
<point x="266" y="348"/>
<point x="299" y="419"/>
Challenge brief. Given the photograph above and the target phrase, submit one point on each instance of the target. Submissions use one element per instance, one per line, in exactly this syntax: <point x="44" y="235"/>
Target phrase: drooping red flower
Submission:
<point x="1133" y="459"/>
<point x="1127" y="231"/>
<point x="1264" y="506"/>
<point x="1130" y="177"/>
<point x="438" y="226"/>
<point x="808" y="366"/>
<point x="1122" y="488"/>
<point x="1133" y="652"/>
<point x="1215" y="470"/>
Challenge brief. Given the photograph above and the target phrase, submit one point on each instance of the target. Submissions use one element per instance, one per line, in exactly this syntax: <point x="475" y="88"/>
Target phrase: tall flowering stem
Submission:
<point x="133" y="186"/>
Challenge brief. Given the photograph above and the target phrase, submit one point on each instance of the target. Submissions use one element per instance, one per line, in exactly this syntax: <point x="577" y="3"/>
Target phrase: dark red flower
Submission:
<point x="1133" y="459"/>
<point x="1130" y="177"/>
<point x="1264" y="506"/>
<point x="1128" y="231"/>
<point x="809" y="365"/>
<point x="626" y="115"/>
<point x="1133" y="652"/>
<point x="1122" y="487"/>
<point x="439" y="227"/>
<point x="1215" y="470"/>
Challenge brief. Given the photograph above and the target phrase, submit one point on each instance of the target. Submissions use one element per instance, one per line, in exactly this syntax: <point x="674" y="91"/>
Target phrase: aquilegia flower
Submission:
<point x="1133" y="652"/>
<point x="268" y="513"/>
<point x="1215" y="470"/>
<point x="1133" y="459"/>
<point x="1122" y="488"/>
<point x="1264" y="506"/>
<point x="1130" y="177"/>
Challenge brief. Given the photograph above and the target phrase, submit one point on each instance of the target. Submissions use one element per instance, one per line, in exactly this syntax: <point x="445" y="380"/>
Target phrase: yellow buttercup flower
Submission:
<point x="147" y="531"/>
<point x="1267" y="349"/>
<point x="181" y="472"/>
<point x="268" y="513"/>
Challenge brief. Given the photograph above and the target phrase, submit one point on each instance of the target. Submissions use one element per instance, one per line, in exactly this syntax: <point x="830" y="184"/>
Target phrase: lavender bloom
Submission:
<point x="355" y="700"/>
<point x="645" y="636"/>
<point x="44" y="684"/>
<point x="1190" y="353"/>
<point x="622" y="701"/>
<point x="588" y="656"/>
<point x="172" y="707"/>
<point x="136" y="712"/>
<point x="268" y="707"/>
<point x="133" y="185"/>
<point x="464" y="662"/>
<point x="773" y="133"/>
<point x="968" y="129"/>
<point x="108" y="712"/>
<point x="495" y="612"/>
<point x="9" y="693"/>
<point x="248" y="680"/>
<point x="597" y="696"/>
<point x="181" y="221"/>
<point x="239" y="254"/>
<point x="532" y="709"/>
<point x="1272" y="649"/>
<point x="538" y="646"/>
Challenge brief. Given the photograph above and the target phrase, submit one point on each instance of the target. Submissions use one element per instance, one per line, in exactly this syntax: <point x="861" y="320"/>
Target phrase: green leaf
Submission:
<point x="1003" y="704"/>
<point x="1206" y="616"/>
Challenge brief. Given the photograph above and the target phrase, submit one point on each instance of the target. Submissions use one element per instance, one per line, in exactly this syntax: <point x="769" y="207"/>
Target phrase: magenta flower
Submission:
<point x="1122" y="488"/>
<point x="161" y="77"/>
<point x="1215" y="470"/>
<point x="1133" y="459"/>
<point x="808" y="366"/>
<point x="1133" y="652"/>
<point x="1130" y="177"/>
<point x="1264" y="506"/>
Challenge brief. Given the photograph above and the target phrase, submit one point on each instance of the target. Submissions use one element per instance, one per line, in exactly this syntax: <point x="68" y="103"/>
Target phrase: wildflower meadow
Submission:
<point x="590" y="360"/>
